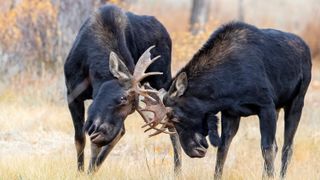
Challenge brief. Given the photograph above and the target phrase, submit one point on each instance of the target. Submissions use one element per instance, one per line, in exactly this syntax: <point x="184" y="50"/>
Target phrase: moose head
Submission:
<point x="181" y="111"/>
<point x="119" y="97"/>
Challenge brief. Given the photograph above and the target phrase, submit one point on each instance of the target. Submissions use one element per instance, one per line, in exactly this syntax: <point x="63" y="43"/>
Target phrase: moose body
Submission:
<point x="88" y="76"/>
<point x="241" y="71"/>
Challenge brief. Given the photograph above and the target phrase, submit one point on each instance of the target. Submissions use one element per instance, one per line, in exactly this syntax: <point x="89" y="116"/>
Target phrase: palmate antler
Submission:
<point x="152" y="98"/>
<point x="155" y="106"/>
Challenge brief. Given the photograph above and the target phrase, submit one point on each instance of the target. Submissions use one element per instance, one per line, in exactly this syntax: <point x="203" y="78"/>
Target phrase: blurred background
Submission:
<point x="36" y="133"/>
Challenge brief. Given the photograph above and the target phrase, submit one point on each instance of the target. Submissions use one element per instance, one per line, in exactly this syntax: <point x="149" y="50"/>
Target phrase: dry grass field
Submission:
<point x="36" y="133"/>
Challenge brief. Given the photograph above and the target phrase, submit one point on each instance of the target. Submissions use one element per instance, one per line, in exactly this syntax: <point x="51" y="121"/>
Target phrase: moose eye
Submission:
<point x="123" y="100"/>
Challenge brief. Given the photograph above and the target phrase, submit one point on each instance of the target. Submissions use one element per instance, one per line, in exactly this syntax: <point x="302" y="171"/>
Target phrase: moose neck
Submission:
<point x="206" y="92"/>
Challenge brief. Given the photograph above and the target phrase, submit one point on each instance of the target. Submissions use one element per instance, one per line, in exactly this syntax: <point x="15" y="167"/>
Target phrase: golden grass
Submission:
<point x="36" y="141"/>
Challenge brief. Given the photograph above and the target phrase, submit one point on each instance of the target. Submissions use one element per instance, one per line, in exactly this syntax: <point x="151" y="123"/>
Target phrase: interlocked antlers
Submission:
<point x="152" y="98"/>
<point x="154" y="107"/>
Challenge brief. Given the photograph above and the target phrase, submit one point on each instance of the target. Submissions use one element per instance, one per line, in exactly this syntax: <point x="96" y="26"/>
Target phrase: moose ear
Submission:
<point x="180" y="84"/>
<point x="117" y="68"/>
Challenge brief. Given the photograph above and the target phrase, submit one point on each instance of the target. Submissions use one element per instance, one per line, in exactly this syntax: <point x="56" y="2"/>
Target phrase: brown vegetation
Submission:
<point x="29" y="35"/>
<point x="310" y="34"/>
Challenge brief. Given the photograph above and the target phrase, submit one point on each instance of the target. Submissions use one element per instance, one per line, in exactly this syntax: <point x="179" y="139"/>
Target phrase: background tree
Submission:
<point x="240" y="10"/>
<point x="199" y="15"/>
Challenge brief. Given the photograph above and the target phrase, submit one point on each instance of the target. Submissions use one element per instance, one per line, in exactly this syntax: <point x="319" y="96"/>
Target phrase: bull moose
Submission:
<point x="103" y="65"/>
<point x="240" y="71"/>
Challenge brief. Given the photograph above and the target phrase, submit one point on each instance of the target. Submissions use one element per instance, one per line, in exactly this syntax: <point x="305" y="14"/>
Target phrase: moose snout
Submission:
<point x="198" y="146"/>
<point x="98" y="138"/>
<point x="102" y="133"/>
<point x="204" y="143"/>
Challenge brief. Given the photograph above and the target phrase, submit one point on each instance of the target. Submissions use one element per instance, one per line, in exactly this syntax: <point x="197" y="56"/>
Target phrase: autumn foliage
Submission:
<point x="36" y="35"/>
<point x="28" y="35"/>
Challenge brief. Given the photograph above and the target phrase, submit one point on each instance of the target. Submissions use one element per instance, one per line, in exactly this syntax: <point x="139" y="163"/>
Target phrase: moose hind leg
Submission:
<point x="230" y="126"/>
<point x="268" y="122"/>
<point x="76" y="108"/>
<point x="177" y="152"/>
<point x="292" y="119"/>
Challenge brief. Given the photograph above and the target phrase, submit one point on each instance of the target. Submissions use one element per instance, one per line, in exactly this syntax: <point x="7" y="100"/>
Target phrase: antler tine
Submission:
<point x="146" y="119"/>
<point x="151" y="127"/>
<point x="148" y="74"/>
<point x="147" y="90"/>
<point x="142" y="65"/>
<point x="147" y="124"/>
<point x="161" y="130"/>
<point x="147" y="96"/>
<point x="143" y="61"/>
<point x="153" y="124"/>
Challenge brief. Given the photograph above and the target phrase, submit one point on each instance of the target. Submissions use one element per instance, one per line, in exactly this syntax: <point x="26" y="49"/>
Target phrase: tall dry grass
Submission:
<point x="36" y="143"/>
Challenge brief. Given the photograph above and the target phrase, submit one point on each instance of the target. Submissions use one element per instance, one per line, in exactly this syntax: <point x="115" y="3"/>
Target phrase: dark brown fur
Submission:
<point x="223" y="43"/>
<point x="241" y="71"/>
<point x="105" y="29"/>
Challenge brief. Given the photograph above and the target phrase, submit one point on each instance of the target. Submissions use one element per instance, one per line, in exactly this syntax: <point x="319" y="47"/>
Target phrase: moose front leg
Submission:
<point x="76" y="108"/>
<point x="230" y="125"/>
<point x="176" y="151"/>
<point x="212" y="123"/>
<point x="95" y="150"/>
<point x="98" y="155"/>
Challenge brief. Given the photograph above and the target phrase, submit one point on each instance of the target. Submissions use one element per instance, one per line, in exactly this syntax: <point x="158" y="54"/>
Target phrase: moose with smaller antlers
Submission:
<point x="240" y="71"/>
<point x="108" y="63"/>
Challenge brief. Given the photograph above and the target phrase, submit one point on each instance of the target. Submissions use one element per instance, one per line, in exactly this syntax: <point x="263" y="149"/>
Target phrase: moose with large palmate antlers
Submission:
<point x="240" y="71"/>
<point x="108" y="63"/>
